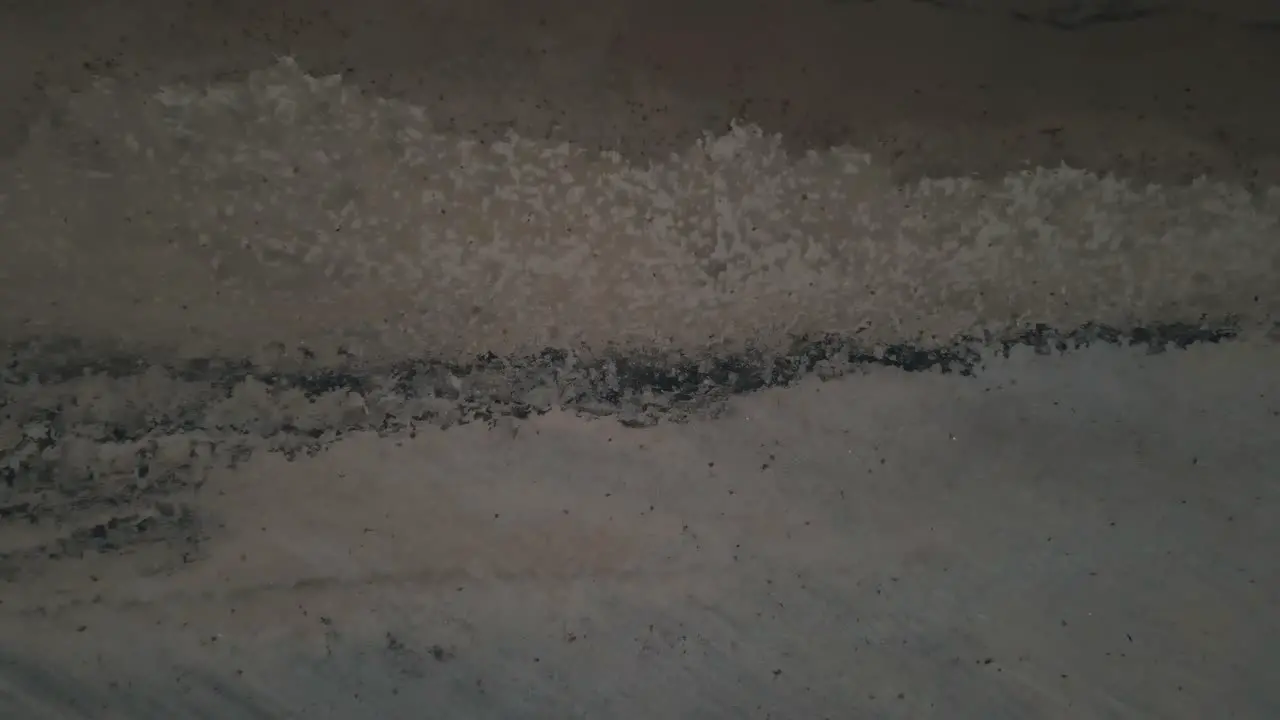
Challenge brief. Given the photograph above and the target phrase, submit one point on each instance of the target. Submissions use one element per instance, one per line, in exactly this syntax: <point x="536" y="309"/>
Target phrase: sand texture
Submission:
<point x="640" y="360"/>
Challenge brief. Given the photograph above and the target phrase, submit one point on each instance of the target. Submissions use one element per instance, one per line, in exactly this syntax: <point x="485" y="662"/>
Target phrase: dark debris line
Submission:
<point x="222" y="411"/>
<point x="610" y="378"/>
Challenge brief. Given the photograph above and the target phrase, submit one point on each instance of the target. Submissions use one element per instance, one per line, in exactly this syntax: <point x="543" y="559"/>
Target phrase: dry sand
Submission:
<point x="827" y="359"/>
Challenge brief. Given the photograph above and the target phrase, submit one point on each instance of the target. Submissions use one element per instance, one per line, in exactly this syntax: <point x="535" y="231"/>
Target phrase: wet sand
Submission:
<point x="881" y="359"/>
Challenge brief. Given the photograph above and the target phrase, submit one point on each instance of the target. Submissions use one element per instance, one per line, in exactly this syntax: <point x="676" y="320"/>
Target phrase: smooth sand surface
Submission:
<point x="640" y="360"/>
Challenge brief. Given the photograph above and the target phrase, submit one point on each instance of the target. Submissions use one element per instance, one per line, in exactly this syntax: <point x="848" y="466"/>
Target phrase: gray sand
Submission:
<point x="882" y="359"/>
